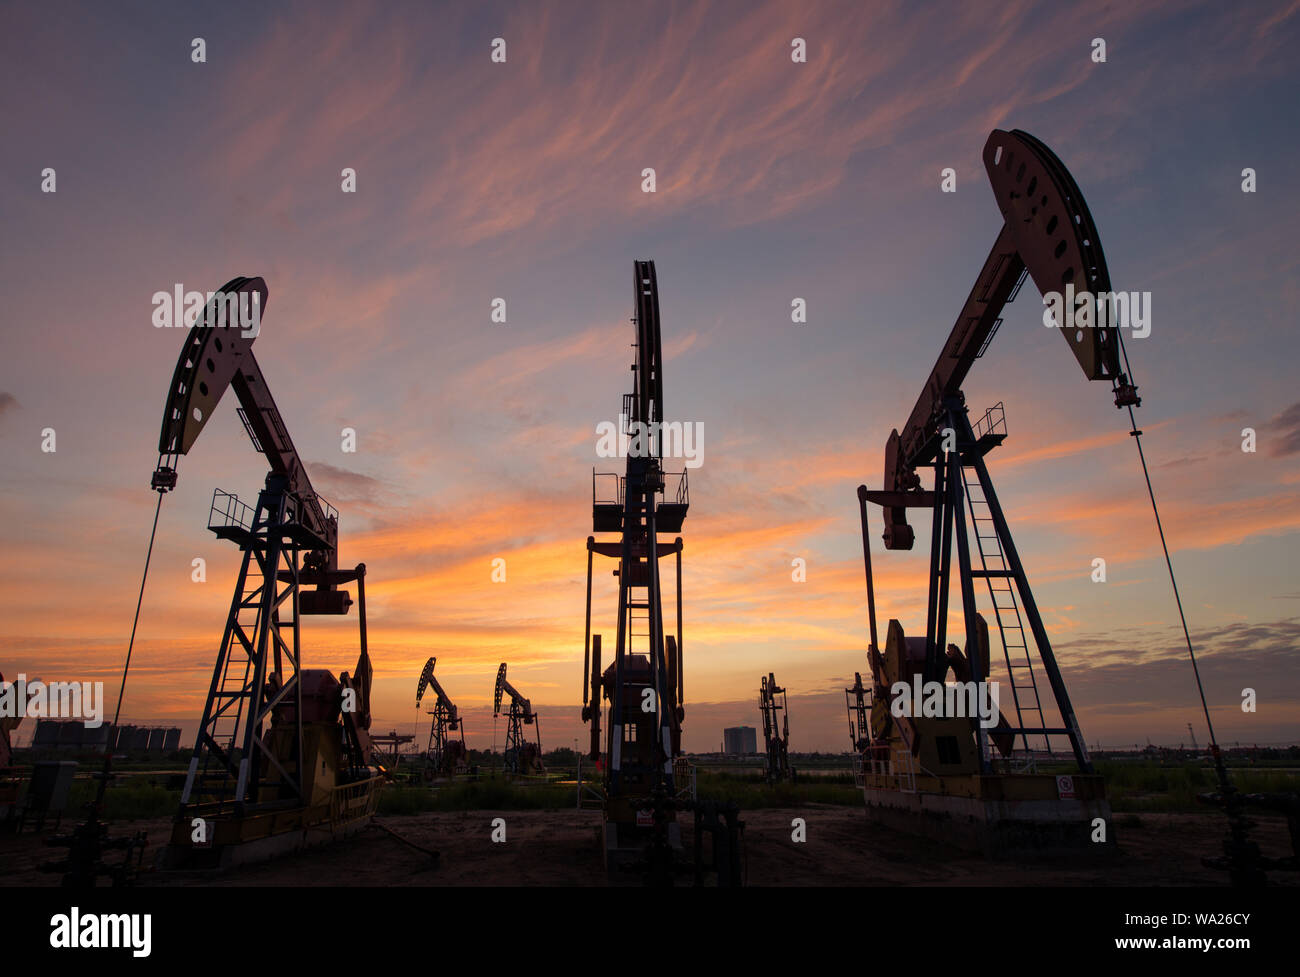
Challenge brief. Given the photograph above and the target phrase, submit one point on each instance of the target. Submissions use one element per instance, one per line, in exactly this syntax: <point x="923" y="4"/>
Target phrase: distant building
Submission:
<point x="740" y="740"/>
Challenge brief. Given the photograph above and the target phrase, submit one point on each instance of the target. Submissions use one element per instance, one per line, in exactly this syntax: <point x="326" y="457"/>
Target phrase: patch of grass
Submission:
<point x="751" y="791"/>
<point x="130" y="799"/>
<point x="1150" y="787"/>
<point x="488" y="794"/>
<point x="748" y="791"/>
<point x="1133" y="789"/>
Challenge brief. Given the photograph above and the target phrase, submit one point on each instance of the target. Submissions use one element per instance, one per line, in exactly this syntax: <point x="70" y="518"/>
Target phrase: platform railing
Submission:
<point x="859" y="772"/>
<point x="606" y="488"/>
<point x="994" y="421"/>
<point x="676" y="488"/>
<point x="229" y="513"/>
<point x="684" y="778"/>
<point x="358" y="799"/>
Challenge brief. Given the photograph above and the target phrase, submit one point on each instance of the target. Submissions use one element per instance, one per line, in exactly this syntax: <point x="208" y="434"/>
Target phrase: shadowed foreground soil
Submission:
<point x="561" y="848"/>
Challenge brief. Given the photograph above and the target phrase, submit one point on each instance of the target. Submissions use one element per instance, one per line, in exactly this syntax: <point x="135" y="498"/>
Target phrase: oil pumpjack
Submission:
<point x="446" y="753"/>
<point x="939" y="773"/>
<point x="523" y="758"/>
<point x="282" y="759"/>
<point x="645" y="779"/>
<point x="776" y="729"/>
<point x="857" y="699"/>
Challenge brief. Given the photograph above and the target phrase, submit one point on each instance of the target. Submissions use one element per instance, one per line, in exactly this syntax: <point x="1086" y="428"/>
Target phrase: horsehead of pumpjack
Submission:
<point x="218" y="355"/>
<point x="1048" y="232"/>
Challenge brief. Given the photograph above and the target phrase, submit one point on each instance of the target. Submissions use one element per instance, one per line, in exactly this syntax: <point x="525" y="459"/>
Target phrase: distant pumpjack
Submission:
<point x="8" y="724"/>
<point x="446" y="751"/>
<point x="386" y="748"/>
<point x="858" y="701"/>
<point x="776" y="729"/>
<point x="523" y="757"/>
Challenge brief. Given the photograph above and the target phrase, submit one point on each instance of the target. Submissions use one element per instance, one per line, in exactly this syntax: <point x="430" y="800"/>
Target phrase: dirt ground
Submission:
<point x="561" y="848"/>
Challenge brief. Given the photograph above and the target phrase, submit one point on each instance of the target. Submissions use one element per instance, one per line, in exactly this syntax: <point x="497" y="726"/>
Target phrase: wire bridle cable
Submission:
<point x="1136" y="434"/>
<point x="126" y="668"/>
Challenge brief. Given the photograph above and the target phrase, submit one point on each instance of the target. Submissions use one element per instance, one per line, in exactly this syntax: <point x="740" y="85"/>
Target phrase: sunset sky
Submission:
<point x="522" y="180"/>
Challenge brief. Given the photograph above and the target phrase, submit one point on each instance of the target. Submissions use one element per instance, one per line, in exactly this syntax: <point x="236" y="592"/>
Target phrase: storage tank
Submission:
<point x="47" y="734"/>
<point x="71" y="734"/>
<point x="95" y="738"/>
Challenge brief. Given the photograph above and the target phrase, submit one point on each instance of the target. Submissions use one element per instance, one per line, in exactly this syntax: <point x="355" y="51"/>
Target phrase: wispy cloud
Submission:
<point x="1284" y="432"/>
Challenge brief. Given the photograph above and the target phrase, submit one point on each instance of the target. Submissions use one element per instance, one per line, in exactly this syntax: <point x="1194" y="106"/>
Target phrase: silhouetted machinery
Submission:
<point x="644" y="785"/>
<point x="776" y="729"/>
<point x="8" y="723"/>
<point x="10" y="781"/>
<point x="446" y="753"/>
<point x="857" y="699"/>
<point x="386" y="749"/>
<point x="282" y="759"/>
<point x="934" y="770"/>
<point x="523" y="757"/>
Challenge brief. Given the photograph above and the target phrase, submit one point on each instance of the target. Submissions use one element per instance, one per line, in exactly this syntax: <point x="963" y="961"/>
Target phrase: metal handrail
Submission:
<point x="994" y="421"/>
<point x="596" y="498"/>
<point x="227" y="511"/>
<point x="329" y="510"/>
<point x="682" y="495"/>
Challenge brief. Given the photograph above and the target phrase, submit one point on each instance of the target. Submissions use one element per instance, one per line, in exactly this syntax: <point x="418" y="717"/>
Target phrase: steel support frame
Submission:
<point x="948" y="520"/>
<point x="514" y="738"/>
<point x="644" y="480"/>
<point x="441" y="725"/>
<point x="638" y="507"/>
<point x="950" y="507"/>
<point x="1030" y="607"/>
<point x="267" y="547"/>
